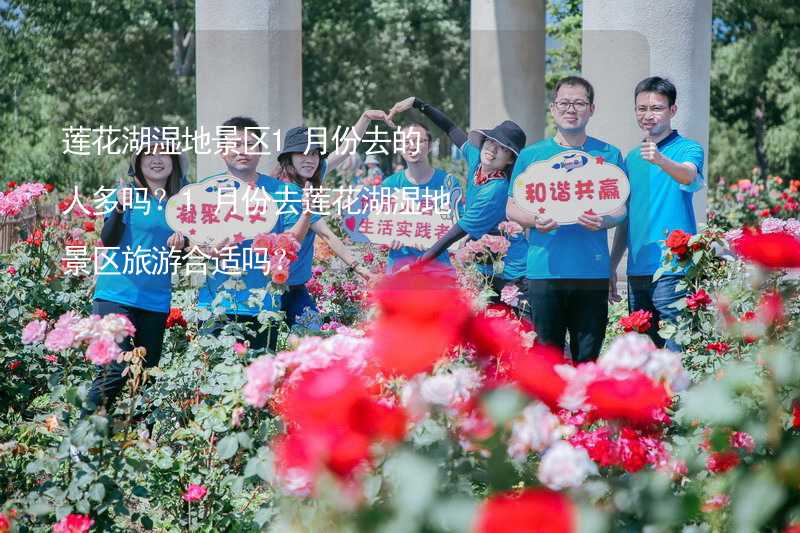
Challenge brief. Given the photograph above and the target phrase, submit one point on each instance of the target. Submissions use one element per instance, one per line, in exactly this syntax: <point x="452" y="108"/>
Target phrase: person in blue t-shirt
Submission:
<point x="665" y="171"/>
<point x="568" y="267"/>
<point x="240" y="303"/>
<point x="136" y="220"/>
<point x="490" y="156"/>
<point x="303" y="163"/>
<point x="418" y="174"/>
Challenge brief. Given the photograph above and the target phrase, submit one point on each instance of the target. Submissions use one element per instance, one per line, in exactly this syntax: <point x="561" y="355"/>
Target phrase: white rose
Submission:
<point x="439" y="390"/>
<point x="627" y="352"/>
<point x="564" y="466"/>
<point x="535" y="430"/>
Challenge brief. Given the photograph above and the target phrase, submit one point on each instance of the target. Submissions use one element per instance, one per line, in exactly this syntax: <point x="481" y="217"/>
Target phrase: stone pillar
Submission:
<point x="507" y="64"/>
<point x="625" y="41"/>
<point x="249" y="62"/>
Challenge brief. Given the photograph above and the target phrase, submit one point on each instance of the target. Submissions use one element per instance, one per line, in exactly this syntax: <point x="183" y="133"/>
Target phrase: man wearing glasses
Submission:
<point x="568" y="266"/>
<point x="665" y="171"/>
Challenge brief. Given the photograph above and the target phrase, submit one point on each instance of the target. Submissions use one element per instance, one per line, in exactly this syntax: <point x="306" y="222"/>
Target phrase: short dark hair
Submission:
<point x="656" y="84"/>
<point x="421" y="126"/>
<point x="573" y="81"/>
<point x="240" y="123"/>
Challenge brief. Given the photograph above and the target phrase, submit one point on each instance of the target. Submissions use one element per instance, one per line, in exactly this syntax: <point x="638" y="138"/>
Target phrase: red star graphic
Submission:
<point x="238" y="238"/>
<point x="192" y="231"/>
<point x="590" y="212"/>
<point x="599" y="160"/>
<point x="542" y="210"/>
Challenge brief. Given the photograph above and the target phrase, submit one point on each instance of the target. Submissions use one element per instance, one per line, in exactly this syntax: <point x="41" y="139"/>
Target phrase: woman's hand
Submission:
<point x="402" y="105"/>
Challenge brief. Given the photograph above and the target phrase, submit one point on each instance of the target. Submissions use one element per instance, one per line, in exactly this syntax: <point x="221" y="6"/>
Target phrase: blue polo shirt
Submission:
<point x="235" y="301"/>
<point x="439" y="181"/>
<point x="571" y="251"/>
<point x="485" y="209"/>
<point x="142" y="248"/>
<point x="658" y="204"/>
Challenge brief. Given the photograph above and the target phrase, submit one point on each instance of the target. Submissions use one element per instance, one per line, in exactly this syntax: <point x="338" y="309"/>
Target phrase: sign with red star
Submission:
<point x="569" y="184"/>
<point x="221" y="208"/>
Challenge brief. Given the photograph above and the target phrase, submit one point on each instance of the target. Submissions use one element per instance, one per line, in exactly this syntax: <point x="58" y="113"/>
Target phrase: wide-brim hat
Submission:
<point x="296" y="141"/>
<point x="508" y="134"/>
<point x="155" y="139"/>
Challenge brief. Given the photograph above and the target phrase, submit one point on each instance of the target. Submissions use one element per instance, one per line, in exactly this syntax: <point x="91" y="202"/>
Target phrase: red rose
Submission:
<point x="634" y="397"/>
<point x="698" y="300"/>
<point x="534" y="371"/>
<point x="530" y="511"/>
<point x="720" y="347"/>
<point x="40" y="314"/>
<point x="770" y="310"/>
<point x="88" y="226"/>
<point x="720" y="462"/>
<point x="13" y="365"/>
<point x="11" y="185"/>
<point x="678" y="243"/>
<point x="770" y="250"/>
<point x="175" y="318"/>
<point x="49" y="187"/>
<point x="419" y="306"/>
<point x="638" y="321"/>
<point x="796" y="415"/>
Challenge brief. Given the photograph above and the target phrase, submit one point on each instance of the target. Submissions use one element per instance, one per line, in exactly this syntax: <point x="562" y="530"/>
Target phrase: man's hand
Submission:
<point x="176" y="241"/>
<point x="545" y="225"/>
<point x="590" y="221"/>
<point x="650" y="151"/>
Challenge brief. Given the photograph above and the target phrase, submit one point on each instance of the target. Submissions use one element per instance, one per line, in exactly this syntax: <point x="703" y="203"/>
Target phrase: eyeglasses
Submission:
<point x="654" y="109"/>
<point x="564" y="105"/>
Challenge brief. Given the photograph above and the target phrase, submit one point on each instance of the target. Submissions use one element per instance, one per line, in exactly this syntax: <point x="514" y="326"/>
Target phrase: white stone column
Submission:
<point x="507" y="64"/>
<point x="625" y="41"/>
<point x="249" y="62"/>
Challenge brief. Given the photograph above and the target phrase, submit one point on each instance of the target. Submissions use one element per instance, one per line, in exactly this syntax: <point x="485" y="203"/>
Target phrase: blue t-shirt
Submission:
<point x="440" y="181"/>
<point x="118" y="280"/>
<point x="485" y="209"/>
<point x="236" y="300"/>
<point x="571" y="251"/>
<point x="658" y="204"/>
<point x="300" y="269"/>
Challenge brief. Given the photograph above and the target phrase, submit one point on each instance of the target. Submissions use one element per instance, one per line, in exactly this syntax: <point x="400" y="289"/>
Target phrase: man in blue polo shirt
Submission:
<point x="240" y="302"/>
<point x="568" y="267"/>
<point x="665" y="171"/>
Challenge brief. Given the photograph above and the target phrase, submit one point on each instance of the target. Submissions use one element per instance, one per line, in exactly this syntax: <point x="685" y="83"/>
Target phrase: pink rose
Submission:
<point x="194" y="492"/>
<point x="59" y="339"/>
<point x="34" y="332"/>
<point x="261" y="375"/>
<point x="510" y="295"/>
<point x="102" y="351"/>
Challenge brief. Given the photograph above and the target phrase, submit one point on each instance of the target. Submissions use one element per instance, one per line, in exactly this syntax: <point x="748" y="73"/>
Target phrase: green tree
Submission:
<point x="90" y="63"/>
<point x="373" y="53"/>
<point x="755" y="97"/>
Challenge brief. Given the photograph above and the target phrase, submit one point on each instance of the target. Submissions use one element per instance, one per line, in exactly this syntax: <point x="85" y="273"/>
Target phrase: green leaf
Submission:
<point x="754" y="501"/>
<point x="414" y="480"/>
<point x="97" y="492"/>
<point x="227" y="447"/>
<point x="146" y="522"/>
<point x="244" y="440"/>
<point x="710" y="402"/>
<point x="258" y="467"/>
<point x="503" y="405"/>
